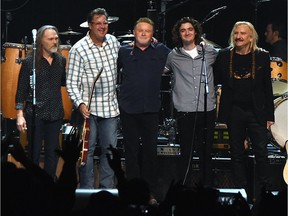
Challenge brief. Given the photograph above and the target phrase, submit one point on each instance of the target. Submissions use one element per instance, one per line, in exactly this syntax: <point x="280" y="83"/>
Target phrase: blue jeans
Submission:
<point x="104" y="132"/>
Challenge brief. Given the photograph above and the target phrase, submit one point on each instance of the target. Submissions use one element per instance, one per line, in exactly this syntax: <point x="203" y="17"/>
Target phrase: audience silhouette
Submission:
<point x="31" y="191"/>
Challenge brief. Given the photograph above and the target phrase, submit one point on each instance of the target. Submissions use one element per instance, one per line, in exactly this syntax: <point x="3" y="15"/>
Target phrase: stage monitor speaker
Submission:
<point x="227" y="195"/>
<point x="275" y="170"/>
<point x="83" y="195"/>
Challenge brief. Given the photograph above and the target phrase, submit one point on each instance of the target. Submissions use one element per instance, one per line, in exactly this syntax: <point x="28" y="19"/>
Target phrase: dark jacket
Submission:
<point x="261" y="91"/>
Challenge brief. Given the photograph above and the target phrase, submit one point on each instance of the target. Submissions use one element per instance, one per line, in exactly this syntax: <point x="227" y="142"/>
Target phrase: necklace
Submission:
<point x="231" y="63"/>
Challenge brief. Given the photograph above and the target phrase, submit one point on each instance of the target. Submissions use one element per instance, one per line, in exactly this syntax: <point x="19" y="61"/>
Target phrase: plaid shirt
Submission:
<point x="84" y="63"/>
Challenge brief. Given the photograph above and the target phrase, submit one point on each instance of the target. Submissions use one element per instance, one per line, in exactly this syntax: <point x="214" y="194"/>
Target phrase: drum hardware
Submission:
<point x="279" y="68"/>
<point x="25" y="41"/>
<point x="277" y="59"/>
<point x="19" y="59"/>
<point x="278" y="76"/>
<point x="168" y="128"/>
<point x="110" y="19"/>
<point x="3" y="58"/>
<point x="169" y="131"/>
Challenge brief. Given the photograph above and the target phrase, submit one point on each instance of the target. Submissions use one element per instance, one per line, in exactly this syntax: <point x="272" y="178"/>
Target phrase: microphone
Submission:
<point x="34" y="32"/>
<point x="202" y="44"/>
<point x="219" y="9"/>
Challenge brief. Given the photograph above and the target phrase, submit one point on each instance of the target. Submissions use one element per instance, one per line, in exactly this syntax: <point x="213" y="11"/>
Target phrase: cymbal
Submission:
<point x="110" y="19"/>
<point x="126" y="36"/>
<point x="211" y="43"/>
<point x="70" y="33"/>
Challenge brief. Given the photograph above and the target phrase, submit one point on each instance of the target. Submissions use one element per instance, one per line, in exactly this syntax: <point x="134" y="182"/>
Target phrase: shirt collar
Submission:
<point x="107" y="40"/>
<point x="152" y="45"/>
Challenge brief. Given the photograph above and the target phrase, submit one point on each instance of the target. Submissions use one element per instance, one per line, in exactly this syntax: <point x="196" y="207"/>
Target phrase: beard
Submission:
<point x="54" y="49"/>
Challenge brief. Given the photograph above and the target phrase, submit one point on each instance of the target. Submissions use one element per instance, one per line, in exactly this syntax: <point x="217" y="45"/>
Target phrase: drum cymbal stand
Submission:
<point x="8" y="16"/>
<point x="164" y="11"/>
<point x="256" y="4"/>
<point x="169" y="124"/>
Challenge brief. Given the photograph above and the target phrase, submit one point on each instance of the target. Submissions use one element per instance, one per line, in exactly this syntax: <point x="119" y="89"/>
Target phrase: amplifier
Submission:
<point x="221" y="136"/>
<point x="168" y="150"/>
<point x="225" y="146"/>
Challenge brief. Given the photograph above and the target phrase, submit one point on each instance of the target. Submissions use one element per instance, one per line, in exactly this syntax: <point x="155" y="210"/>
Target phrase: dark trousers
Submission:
<point x="47" y="131"/>
<point x="243" y="123"/>
<point x="140" y="132"/>
<point x="193" y="137"/>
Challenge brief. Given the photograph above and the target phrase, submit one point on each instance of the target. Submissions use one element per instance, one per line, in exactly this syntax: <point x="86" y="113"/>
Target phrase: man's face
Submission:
<point x="242" y="36"/>
<point x="98" y="27"/>
<point x="187" y="33"/>
<point x="143" y="33"/>
<point x="269" y="34"/>
<point x="50" y="41"/>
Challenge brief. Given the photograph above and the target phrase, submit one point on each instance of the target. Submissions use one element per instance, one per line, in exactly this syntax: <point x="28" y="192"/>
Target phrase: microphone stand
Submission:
<point x="33" y="87"/>
<point x="171" y="122"/>
<point x="215" y="12"/>
<point x="207" y="18"/>
<point x="257" y="4"/>
<point x="206" y="91"/>
<point x="8" y="20"/>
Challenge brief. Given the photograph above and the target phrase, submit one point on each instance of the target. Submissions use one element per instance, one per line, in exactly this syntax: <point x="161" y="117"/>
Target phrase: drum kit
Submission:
<point x="279" y="130"/>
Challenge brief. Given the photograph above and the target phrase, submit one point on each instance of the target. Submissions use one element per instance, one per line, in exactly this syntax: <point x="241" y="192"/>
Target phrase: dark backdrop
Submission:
<point x="19" y="17"/>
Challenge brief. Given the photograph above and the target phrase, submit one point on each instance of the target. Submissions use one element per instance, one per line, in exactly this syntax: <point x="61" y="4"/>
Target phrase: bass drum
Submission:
<point x="279" y="129"/>
<point x="12" y="56"/>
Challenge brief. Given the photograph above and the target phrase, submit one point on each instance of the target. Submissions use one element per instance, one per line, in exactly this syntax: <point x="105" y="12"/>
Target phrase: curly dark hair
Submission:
<point x="176" y="33"/>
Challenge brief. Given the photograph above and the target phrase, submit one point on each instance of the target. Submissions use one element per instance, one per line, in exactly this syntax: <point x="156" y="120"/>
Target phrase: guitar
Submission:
<point x="84" y="142"/>
<point x="285" y="171"/>
<point x="84" y="138"/>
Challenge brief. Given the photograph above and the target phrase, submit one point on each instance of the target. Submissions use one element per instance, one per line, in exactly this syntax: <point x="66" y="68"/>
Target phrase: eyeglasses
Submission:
<point x="99" y="23"/>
